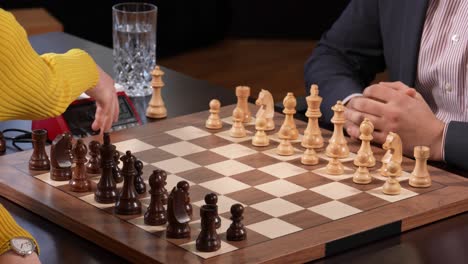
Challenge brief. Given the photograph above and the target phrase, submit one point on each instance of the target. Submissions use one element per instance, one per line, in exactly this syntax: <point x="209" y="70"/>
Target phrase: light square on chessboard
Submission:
<point x="175" y="165"/>
<point x="334" y="210"/>
<point x="272" y="153"/>
<point x="188" y="133"/>
<point x="153" y="155"/>
<point x="275" y="137"/>
<point x="277" y="207"/>
<point x="272" y="145"/>
<point x="210" y="141"/>
<point x="254" y="177"/>
<point x="140" y="222"/>
<point x="306" y="198"/>
<point x="225" y="135"/>
<point x="351" y="156"/>
<point x="250" y="196"/>
<point x="335" y="190"/>
<point x="233" y="151"/>
<point x="228" y="120"/>
<point x="348" y="173"/>
<point x="200" y="175"/>
<point x="274" y="227"/>
<point x="90" y="199"/>
<point x="363" y="187"/>
<point x="182" y="148"/>
<point x="364" y="201"/>
<point x="305" y="219"/>
<point x="229" y="167"/>
<point x="376" y="174"/>
<point x="66" y="188"/>
<point x="225" y="185"/>
<point x="297" y="162"/>
<point x="280" y="188"/>
<point x="45" y="177"/>
<point x="134" y="145"/>
<point x="205" y="158"/>
<point x="225" y="248"/>
<point x="257" y="160"/>
<point x="308" y="180"/>
<point x="405" y="194"/>
<point x="282" y="170"/>
<point x="224" y="203"/>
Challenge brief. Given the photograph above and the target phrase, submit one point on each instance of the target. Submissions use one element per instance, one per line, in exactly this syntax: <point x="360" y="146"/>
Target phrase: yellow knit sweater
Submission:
<point x="36" y="87"/>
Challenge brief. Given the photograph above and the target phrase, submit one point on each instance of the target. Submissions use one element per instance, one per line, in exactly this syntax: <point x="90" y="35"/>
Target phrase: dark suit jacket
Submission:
<point x="372" y="35"/>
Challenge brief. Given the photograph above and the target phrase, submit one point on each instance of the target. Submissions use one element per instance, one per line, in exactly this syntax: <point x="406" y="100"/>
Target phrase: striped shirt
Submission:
<point x="443" y="56"/>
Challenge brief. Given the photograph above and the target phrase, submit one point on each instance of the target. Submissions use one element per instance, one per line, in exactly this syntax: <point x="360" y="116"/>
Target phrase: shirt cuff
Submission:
<point x="349" y="97"/>
<point x="444" y="134"/>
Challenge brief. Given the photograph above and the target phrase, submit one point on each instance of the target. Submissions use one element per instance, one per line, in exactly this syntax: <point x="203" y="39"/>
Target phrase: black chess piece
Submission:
<point x="106" y="191"/>
<point x="140" y="185"/>
<point x="39" y="159"/>
<point x="208" y="240"/>
<point x="212" y="199"/>
<point x="60" y="163"/>
<point x="177" y="216"/>
<point x="128" y="203"/>
<point x="115" y="168"/>
<point x="184" y="185"/>
<point x="156" y="213"/>
<point x="164" y="177"/>
<point x="94" y="163"/>
<point x="79" y="181"/>
<point x="236" y="231"/>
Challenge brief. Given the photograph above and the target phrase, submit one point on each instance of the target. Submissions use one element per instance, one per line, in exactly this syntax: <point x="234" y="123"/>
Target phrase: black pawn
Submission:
<point x="115" y="168"/>
<point x="165" y="193"/>
<point x="208" y="240"/>
<point x="236" y="231"/>
<point x="128" y="203"/>
<point x="140" y="185"/>
<point x="156" y="214"/>
<point x="185" y="186"/>
<point x="212" y="199"/>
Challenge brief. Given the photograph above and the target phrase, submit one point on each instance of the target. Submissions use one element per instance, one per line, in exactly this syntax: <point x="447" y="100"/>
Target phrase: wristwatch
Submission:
<point x="22" y="246"/>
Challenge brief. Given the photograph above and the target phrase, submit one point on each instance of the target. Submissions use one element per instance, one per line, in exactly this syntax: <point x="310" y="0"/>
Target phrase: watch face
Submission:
<point x="22" y="245"/>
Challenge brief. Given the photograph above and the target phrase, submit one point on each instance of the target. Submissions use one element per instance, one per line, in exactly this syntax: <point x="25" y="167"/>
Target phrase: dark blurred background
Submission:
<point x="197" y="37"/>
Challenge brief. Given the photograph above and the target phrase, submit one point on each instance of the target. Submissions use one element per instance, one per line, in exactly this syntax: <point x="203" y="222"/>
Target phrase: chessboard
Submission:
<point x="293" y="212"/>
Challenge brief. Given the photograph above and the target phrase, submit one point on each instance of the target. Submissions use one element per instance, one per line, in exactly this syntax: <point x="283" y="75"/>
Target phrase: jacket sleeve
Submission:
<point x="348" y="55"/>
<point x="10" y="229"/>
<point x="38" y="87"/>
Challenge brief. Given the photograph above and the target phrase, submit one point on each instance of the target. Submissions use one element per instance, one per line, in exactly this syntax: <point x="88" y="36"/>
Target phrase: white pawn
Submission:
<point x="261" y="138"/>
<point x="334" y="166"/>
<point x="285" y="148"/>
<point x="310" y="156"/>
<point x="366" y="128"/>
<point x="237" y="129"/>
<point x="214" y="122"/>
<point x="392" y="186"/>
<point x="362" y="175"/>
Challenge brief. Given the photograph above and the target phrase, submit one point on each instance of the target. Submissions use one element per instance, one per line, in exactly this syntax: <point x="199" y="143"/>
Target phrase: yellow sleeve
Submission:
<point x="38" y="87"/>
<point x="9" y="229"/>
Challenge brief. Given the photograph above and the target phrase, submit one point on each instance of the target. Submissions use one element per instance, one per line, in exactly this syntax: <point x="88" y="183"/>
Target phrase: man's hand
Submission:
<point x="107" y="106"/>
<point x="397" y="108"/>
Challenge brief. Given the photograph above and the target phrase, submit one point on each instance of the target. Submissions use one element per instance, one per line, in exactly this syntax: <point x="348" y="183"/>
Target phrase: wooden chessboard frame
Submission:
<point x="138" y="245"/>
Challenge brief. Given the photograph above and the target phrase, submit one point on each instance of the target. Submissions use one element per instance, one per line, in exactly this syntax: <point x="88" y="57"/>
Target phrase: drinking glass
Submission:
<point x="134" y="39"/>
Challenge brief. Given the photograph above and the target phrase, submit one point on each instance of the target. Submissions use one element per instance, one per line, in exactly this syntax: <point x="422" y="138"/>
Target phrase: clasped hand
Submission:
<point x="395" y="107"/>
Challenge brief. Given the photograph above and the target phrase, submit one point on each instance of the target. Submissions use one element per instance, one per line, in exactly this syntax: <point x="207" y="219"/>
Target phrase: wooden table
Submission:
<point x="438" y="242"/>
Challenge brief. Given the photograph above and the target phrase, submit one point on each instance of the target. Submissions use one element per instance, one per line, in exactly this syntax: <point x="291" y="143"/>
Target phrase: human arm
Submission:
<point x="38" y="87"/>
<point x="348" y="56"/>
<point x="9" y="229"/>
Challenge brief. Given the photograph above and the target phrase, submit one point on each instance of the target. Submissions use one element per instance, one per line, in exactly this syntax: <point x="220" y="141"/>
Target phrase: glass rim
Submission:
<point x="153" y="8"/>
